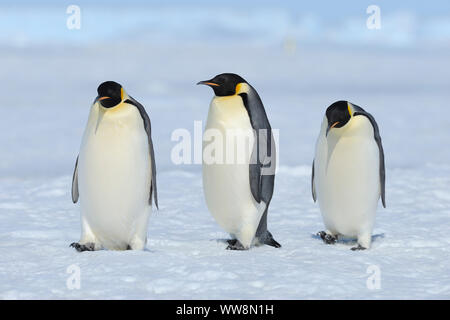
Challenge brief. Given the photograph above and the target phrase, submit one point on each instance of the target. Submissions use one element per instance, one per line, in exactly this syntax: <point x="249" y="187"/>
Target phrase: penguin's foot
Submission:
<point x="327" y="238"/>
<point x="234" y="244"/>
<point x="83" y="247"/>
<point x="358" y="248"/>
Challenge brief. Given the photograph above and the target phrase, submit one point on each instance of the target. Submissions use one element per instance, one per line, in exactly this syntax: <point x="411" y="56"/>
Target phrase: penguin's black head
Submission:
<point x="224" y="84"/>
<point x="110" y="94"/>
<point x="338" y="114"/>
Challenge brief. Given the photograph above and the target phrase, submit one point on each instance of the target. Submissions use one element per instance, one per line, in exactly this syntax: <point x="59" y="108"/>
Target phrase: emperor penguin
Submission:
<point x="238" y="187"/>
<point x="348" y="173"/>
<point x="115" y="173"/>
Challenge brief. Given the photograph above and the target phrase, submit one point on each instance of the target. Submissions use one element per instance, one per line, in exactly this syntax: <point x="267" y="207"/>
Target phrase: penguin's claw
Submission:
<point x="82" y="247"/>
<point x="234" y="244"/>
<point x="358" y="248"/>
<point x="327" y="238"/>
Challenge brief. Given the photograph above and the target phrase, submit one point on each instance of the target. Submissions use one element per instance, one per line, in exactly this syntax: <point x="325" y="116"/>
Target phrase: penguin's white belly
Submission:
<point x="347" y="179"/>
<point x="114" y="176"/>
<point x="226" y="184"/>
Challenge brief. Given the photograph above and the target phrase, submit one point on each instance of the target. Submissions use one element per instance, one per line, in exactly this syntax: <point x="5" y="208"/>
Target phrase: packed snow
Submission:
<point x="47" y="91"/>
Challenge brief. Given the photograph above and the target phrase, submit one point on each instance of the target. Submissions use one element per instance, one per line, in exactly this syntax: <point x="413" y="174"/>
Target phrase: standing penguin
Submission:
<point x="348" y="174"/>
<point x="238" y="193"/>
<point x="115" y="173"/>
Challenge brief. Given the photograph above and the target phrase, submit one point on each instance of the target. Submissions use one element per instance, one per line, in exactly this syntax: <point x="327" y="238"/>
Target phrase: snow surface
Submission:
<point x="47" y="91"/>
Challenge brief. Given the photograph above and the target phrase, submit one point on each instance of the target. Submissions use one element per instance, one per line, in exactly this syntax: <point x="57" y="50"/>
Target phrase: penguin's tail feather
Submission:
<point x="269" y="240"/>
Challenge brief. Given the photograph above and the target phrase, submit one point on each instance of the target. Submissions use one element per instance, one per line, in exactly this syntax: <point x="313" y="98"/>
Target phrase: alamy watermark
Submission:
<point x="230" y="146"/>
<point x="74" y="280"/>
<point x="373" y="22"/>
<point x="73" y="21"/>
<point x="373" y="282"/>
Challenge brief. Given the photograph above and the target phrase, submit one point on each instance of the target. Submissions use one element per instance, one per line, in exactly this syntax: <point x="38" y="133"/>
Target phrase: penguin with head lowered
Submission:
<point x="348" y="173"/>
<point x="115" y="173"/>
<point x="238" y="193"/>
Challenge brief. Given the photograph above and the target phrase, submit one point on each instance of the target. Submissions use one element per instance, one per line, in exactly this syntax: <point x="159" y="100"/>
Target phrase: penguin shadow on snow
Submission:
<point x="146" y="249"/>
<point x="348" y="241"/>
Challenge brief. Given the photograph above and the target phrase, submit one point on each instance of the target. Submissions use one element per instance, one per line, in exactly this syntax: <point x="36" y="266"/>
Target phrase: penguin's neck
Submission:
<point x="231" y="109"/>
<point x="356" y="126"/>
<point x="120" y="108"/>
<point x="122" y="116"/>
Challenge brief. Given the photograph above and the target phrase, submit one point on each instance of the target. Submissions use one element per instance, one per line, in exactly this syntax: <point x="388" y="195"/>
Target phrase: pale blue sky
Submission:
<point x="404" y="23"/>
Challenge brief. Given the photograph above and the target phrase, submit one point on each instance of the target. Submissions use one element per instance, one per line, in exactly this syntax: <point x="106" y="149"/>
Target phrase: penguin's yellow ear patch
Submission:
<point x="241" y="87"/>
<point x="121" y="93"/>
<point x="238" y="88"/>
<point x="350" y="111"/>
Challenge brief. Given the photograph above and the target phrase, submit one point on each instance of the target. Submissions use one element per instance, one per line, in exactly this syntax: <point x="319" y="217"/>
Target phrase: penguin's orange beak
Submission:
<point x="209" y="83"/>
<point x="103" y="98"/>
<point x="331" y="127"/>
<point x="334" y="124"/>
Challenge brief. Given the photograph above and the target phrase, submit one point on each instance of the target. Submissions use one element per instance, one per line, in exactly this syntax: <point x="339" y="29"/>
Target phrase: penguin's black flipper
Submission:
<point x="263" y="158"/>
<point x="313" y="188"/>
<point x="148" y="130"/>
<point x="75" y="193"/>
<point x="377" y="137"/>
